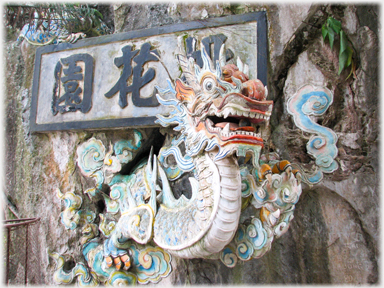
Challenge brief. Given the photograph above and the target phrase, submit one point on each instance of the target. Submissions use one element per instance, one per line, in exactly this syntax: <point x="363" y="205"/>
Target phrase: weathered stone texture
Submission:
<point x="334" y="236"/>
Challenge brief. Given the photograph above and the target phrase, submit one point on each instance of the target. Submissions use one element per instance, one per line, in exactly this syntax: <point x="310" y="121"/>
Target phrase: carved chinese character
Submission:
<point x="138" y="81"/>
<point x="217" y="41"/>
<point x="77" y="84"/>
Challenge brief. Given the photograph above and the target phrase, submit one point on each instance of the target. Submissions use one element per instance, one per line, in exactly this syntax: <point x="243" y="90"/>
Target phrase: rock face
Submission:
<point x="334" y="235"/>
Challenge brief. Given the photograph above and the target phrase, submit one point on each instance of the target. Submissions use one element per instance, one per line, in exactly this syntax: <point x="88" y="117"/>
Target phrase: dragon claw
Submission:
<point x="123" y="261"/>
<point x="127" y="261"/>
<point x="297" y="175"/>
<point x="117" y="262"/>
<point x="109" y="261"/>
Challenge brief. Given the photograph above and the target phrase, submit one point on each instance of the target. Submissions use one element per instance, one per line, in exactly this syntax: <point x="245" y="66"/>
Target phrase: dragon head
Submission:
<point x="218" y="107"/>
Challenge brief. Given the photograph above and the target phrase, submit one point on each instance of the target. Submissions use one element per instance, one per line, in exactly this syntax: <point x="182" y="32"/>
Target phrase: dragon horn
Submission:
<point x="222" y="56"/>
<point x="246" y="69"/>
<point x="240" y="64"/>
<point x="208" y="65"/>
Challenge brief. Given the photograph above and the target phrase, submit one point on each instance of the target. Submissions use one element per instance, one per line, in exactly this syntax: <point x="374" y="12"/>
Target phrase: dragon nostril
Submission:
<point x="254" y="89"/>
<point x="247" y="91"/>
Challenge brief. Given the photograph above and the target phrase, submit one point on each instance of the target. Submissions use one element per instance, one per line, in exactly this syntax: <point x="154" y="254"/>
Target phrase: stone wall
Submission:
<point x="334" y="235"/>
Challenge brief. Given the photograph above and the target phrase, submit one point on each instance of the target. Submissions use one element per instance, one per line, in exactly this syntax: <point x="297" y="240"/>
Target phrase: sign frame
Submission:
<point x="142" y="122"/>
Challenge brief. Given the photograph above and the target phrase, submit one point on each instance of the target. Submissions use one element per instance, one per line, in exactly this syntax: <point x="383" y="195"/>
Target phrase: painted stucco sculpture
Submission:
<point x="309" y="101"/>
<point x="72" y="216"/>
<point x="219" y="116"/>
<point x="54" y="31"/>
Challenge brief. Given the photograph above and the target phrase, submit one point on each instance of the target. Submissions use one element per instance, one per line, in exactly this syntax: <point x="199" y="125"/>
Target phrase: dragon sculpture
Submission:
<point x="241" y="199"/>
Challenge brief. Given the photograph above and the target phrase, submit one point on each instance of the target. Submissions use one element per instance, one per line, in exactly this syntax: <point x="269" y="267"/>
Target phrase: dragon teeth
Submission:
<point x="232" y="112"/>
<point x="211" y="112"/>
<point x="226" y="128"/>
<point x="225" y="133"/>
<point x="209" y="123"/>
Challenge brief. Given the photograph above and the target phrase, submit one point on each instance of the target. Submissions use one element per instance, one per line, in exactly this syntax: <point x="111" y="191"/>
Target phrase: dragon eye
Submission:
<point x="209" y="85"/>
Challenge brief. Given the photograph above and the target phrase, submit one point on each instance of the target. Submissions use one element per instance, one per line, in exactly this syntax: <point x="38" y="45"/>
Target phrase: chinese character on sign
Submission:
<point x="217" y="41"/>
<point x="138" y="81"/>
<point x="77" y="84"/>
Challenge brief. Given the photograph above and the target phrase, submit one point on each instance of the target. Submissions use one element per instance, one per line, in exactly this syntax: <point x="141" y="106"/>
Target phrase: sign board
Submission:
<point x="110" y="81"/>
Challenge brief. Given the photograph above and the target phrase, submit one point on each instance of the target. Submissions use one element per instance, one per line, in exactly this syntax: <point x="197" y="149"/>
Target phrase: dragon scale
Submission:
<point x="217" y="207"/>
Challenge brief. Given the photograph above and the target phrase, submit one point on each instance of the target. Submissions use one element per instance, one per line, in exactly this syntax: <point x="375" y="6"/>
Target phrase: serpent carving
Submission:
<point x="219" y="118"/>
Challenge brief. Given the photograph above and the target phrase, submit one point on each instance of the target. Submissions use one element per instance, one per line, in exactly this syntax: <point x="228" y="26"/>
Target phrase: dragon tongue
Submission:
<point x="245" y="128"/>
<point x="234" y="127"/>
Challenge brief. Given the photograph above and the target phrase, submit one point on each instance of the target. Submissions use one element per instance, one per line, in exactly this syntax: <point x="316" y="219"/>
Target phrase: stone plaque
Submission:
<point x="110" y="81"/>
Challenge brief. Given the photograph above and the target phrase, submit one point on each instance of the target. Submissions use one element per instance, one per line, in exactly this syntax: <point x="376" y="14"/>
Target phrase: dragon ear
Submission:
<point x="183" y="92"/>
